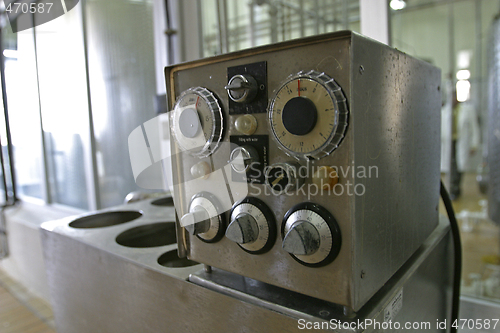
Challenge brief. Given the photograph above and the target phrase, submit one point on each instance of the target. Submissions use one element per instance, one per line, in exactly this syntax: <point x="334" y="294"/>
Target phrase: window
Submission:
<point x="77" y="86"/>
<point x="235" y="25"/>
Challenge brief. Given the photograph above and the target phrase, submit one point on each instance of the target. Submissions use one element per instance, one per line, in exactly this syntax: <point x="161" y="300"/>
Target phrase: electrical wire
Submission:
<point x="457" y="244"/>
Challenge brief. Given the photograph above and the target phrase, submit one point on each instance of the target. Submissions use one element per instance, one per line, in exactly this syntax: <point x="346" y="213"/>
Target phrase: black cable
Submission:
<point x="457" y="244"/>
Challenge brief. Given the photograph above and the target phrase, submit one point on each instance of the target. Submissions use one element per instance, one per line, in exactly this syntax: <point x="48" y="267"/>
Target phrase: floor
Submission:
<point x="480" y="243"/>
<point x="20" y="311"/>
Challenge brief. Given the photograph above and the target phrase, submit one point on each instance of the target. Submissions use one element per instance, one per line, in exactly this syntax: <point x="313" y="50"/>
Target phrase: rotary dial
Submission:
<point x="197" y="122"/>
<point x="204" y="219"/>
<point x="252" y="226"/>
<point x="311" y="235"/>
<point x="308" y="115"/>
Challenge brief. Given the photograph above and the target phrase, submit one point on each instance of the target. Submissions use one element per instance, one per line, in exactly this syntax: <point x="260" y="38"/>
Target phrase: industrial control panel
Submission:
<point x="310" y="165"/>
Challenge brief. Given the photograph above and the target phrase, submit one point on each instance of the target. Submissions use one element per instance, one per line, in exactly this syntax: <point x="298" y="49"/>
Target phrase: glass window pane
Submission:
<point x="24" y="116"/>
<point x="210" y="28"/>
<point x="122" y="86"/>
<point x="254" y="23"/>
<point x="65" y="113"/>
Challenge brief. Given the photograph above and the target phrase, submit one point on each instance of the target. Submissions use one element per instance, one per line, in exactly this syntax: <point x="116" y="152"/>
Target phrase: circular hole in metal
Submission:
<point x="149" y="235"/>
<point x="172" y="260"/>
<point x="105" y="219"/>
<point x="166" y="201"/>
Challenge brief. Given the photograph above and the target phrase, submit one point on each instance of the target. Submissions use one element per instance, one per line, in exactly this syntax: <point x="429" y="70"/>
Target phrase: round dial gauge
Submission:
<point x="308" y="115"/>
<point x="197" y="122"/>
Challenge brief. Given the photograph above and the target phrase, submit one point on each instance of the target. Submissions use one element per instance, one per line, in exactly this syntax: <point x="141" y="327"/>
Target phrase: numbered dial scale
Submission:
<point x="308" y="115"/>
<point x="197" y="121"/>
<point x="311" y="235"/>
<point x="252" y="226"/>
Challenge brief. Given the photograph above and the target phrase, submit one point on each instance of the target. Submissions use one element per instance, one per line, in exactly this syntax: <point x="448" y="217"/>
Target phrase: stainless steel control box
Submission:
<point x="339" y="156"/>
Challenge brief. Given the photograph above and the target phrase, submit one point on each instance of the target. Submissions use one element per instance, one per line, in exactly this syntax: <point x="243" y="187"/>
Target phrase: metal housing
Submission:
<point x="388" y="160"/>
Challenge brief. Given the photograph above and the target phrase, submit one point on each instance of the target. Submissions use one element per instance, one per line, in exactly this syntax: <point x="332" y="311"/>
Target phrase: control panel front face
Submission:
<point x="258" y="142"/>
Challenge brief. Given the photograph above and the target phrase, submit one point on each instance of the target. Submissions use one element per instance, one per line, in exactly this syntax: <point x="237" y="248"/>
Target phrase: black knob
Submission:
<point x="242" y="88"/>
<point x="299" y="115"/>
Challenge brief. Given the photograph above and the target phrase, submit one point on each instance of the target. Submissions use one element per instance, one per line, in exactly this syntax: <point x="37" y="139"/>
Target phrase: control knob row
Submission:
<point x="310" y="233"/>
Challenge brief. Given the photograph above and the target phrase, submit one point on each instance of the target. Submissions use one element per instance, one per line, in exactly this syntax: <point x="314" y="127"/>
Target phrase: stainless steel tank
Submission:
<point x="493" y="143"/>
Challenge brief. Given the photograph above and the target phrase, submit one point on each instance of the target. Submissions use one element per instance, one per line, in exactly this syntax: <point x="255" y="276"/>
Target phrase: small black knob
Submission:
<point x="299" y="115"/>
<point x="242" y="88"/>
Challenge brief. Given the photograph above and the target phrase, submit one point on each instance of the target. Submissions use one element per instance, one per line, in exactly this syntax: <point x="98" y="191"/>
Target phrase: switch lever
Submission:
<point x="196" y="222"/>
<point x="242" y="88"/>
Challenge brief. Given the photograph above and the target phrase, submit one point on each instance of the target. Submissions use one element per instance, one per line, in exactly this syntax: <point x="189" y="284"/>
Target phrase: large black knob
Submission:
<point x="299" y="116"/>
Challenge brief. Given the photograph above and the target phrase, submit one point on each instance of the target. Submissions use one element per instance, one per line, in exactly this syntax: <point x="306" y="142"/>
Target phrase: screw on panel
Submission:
<point x="363" y="274"/>
<point x="361" y="69"/>
<point x="208" y="269"/>
<point x="324" y="313"/>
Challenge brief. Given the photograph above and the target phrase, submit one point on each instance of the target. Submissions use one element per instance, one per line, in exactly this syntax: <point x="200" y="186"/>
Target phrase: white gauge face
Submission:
<point x="305" y="116"/>
<point x="197" y="122"/>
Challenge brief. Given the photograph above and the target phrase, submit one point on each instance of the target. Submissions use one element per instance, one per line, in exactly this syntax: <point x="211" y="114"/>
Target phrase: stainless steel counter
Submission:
<point x="98" y="285"/>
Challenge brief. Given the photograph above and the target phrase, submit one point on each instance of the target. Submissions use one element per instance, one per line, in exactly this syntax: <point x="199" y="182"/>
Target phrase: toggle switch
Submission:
<point x="249" y="155"/>
<point x="242" y="88"/>
<point x="282" y="177"/>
